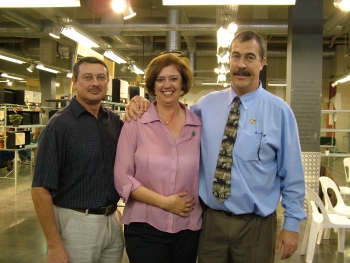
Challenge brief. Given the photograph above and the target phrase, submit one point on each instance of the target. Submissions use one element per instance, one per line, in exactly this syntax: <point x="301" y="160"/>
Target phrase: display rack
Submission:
<point x="5" y="110"/>
<point x="333" y="131"/>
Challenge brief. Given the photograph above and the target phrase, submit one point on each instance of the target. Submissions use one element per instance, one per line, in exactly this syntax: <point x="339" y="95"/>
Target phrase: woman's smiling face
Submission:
<point x="168" y="85"/>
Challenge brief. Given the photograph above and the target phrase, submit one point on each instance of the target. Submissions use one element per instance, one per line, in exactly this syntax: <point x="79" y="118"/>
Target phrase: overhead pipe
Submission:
<point x="173" y="37"/>
<point x="335" y="19"/>
<point x="23" y="19"/>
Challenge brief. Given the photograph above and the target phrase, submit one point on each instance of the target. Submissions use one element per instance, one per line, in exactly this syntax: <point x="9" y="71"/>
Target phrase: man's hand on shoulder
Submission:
<point x="137" y="106"/>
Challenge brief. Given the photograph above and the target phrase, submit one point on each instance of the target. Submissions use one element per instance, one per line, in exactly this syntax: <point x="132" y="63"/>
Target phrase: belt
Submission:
<point x="230" y="214"/>
<point x="107" y="211"/>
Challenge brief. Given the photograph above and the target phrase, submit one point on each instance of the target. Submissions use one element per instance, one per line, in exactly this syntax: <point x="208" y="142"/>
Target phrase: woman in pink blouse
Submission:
<point x="157" y="167"/>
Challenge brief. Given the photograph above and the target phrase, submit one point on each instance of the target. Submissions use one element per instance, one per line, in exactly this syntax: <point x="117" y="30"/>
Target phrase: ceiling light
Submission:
<point x="78" y="36"/>
<point x="118" y="6"/>
<point x="56" y="31"/>
<point x="9" y="83"/>
<point x="9" y="76"/>
<point x="40" y="3"/>
<point x="124" y="68"/>
<point x="341" y="79"/>
<point x="277" y="83"/>
<point x="223" y="56"/>
<point x="69" y="75"/>
<point x="12" y="59"/>
<point x="225" y="84"/>
<point x="229" y="2"/>
<point x="128" y="12"/>
<point x="57" y="84"/>
<point x="343" y="5"/>
<point x="221" y="77"/>
<point x="31" y="67"/>
<point x="42" y="67"/>
<point x="224" y="38"/>
<point x="222" y="69"/>
<point x="111" y="55"/>
<point x="137" y="70"/>
<point x="232" y="28"/>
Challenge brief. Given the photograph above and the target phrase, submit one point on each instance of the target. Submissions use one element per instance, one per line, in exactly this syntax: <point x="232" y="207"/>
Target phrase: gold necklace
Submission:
<point x="167" y="122"/>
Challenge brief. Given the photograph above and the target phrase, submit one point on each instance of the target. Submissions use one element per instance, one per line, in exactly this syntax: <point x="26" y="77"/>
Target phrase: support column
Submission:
<point x="48" y="48"/>
<point x="304" y="80"/>
<point x="48" y="87"/>
<point x="304" y="69"/>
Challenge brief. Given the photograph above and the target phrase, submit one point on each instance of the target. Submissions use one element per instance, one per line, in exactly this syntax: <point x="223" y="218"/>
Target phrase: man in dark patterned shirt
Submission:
<point x="73" y="186"/>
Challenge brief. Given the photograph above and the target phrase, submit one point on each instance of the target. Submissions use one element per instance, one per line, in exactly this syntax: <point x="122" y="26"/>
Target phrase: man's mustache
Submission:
<point x="241" y="72"/>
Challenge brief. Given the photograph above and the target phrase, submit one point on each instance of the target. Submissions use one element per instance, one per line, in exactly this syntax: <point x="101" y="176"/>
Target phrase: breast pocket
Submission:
<point x="247" y="145"/>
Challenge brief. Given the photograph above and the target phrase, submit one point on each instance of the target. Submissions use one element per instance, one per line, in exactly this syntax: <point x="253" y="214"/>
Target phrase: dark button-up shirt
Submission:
<point x="75" y="158"/>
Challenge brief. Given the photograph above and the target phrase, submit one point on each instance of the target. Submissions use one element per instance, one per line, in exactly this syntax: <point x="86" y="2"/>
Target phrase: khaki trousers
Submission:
<point x="90" y="238"/>
<point x="238" y="238"/>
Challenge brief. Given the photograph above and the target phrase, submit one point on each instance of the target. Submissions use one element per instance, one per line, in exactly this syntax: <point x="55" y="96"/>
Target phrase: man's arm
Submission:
<point x="45" y="212"/>
<point x="292" y="186"/>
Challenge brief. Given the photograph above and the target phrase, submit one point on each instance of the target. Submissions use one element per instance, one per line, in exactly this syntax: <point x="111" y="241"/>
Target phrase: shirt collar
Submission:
<point x="79" y="109"/>
<point x="151" y="115"/>
<point x="246" y="99"/>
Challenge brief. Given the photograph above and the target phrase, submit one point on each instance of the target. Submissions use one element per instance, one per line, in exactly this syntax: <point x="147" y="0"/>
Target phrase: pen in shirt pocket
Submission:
<point x="261" y="136"/>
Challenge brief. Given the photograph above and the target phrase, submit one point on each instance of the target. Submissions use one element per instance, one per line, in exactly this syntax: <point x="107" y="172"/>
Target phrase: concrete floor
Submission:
<point x="21" y="238"/>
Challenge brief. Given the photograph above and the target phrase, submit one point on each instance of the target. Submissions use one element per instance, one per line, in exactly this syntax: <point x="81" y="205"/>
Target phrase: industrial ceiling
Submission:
<point x="146" y="35"/>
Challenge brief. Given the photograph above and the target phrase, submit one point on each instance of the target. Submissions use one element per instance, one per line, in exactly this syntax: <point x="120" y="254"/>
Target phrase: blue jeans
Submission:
<point x="24" y="155"/>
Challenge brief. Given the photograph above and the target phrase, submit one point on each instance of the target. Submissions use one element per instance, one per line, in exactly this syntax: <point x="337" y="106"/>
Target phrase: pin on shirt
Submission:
<point x="252" y="120"/>
<point x="192" y="135"/>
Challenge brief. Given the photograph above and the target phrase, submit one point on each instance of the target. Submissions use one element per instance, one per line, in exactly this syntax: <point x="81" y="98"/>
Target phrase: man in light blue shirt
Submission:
<point x="266" y="166"/>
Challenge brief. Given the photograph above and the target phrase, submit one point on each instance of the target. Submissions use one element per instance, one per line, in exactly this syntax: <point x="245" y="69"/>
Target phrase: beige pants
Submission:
<point x="90" y="238"/>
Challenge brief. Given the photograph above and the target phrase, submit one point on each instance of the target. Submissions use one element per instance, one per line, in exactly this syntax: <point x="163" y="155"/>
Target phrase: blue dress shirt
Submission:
<point x="266" y="156"/>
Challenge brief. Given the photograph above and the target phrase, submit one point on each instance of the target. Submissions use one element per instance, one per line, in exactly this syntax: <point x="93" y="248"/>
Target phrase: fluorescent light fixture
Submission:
<point x="56" y="31"/>
<point x="229" y="2"/>
<point x="341" y="80"/>
<point x="78" y="36"/>
<point x="343" y="5"/>
<point x="137" y="70"/>
<point x="128" y="12"/>
<point x="31" y="67"/>
<point x="112" y="56"/>
<point x="42" y="67"/>
<point x="277" y="83"/>
<point x="40" y="3"/>
<point x="10" y="77"/>
<point x="12" y="59"/>
<point x="225" y="84"/>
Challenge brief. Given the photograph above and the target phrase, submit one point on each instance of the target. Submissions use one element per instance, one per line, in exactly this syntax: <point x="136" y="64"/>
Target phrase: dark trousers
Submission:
<point x="146" y="244"/>
<point x="237" y="238"/>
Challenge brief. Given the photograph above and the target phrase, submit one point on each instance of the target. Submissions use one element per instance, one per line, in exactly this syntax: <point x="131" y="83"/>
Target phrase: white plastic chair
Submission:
<point x="345" y="190"/>
<point x="318" y="221"/>
<point x="341" y="208"/>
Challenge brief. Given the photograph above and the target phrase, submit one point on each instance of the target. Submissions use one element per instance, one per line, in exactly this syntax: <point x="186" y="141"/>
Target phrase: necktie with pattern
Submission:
<point x="222" y="177"/>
